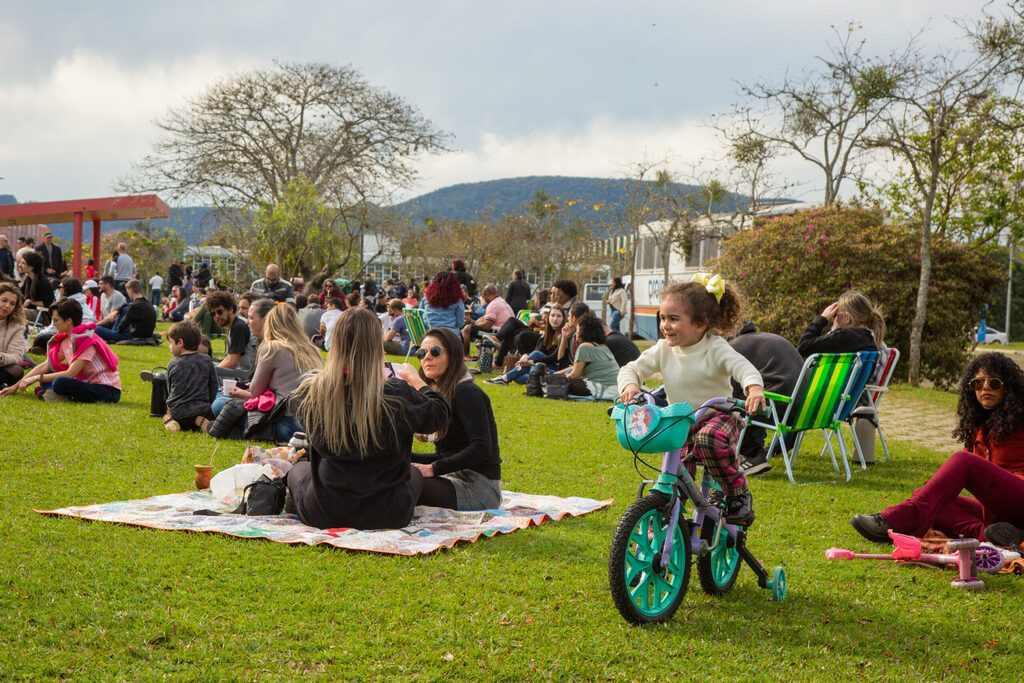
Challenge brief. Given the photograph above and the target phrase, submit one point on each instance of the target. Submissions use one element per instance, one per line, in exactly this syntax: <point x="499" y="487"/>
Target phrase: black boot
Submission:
<point x="535" y="382"/>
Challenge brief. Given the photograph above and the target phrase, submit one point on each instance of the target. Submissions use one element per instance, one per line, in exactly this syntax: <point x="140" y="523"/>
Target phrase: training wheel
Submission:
<point x="778" y="584"/>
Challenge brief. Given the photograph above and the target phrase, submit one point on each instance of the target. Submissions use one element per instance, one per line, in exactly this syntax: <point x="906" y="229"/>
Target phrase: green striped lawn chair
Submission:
<point x="865" y="372"/>
<point x="524" y="316"/>
<point x="416" y="325"/>
<point x="820" y="392"/>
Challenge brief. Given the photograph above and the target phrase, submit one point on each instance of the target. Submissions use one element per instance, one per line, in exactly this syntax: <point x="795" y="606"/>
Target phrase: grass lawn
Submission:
<point x="93" y="601"/>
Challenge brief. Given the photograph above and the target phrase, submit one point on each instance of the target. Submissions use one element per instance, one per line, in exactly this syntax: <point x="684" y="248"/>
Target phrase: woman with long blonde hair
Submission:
<point x="360" y="425"/>
<point x="285" y="355"/>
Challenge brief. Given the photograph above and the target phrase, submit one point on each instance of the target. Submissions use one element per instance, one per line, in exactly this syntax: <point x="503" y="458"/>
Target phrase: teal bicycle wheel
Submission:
<point x="717" y="569"/>
<point x="643" y="590"/>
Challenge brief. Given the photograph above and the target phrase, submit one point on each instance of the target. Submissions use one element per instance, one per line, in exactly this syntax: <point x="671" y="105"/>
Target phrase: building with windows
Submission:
<point x="706" y="243"/>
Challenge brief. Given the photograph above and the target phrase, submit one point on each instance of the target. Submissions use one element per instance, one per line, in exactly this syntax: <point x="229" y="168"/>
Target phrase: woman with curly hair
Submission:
<point x="991" y="468"/>
<point x="444" y="303"/>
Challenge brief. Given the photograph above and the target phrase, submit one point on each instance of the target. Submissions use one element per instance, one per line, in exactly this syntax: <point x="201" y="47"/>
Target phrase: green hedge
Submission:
<point x="791" y="267"/>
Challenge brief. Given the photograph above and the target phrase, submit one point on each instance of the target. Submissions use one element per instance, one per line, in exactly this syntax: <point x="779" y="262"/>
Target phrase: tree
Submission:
<point x="151" y="248"/>
<point x="251" y="139"/>
<point x="791" y="267"/>
<point x="821" y="116"/>
<point x="939" y="110"/>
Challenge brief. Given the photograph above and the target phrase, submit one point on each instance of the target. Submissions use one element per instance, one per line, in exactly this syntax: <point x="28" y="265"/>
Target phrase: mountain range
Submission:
<point x="465" y="201"/>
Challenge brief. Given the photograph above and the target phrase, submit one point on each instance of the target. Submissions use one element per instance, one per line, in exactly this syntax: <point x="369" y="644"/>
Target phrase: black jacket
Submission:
<point x="57" y="263"/>
<point x="846" y="340"/>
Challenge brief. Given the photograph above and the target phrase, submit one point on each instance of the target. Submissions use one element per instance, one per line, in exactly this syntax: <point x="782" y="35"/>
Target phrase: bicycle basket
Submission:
<point x="650" y="429"/>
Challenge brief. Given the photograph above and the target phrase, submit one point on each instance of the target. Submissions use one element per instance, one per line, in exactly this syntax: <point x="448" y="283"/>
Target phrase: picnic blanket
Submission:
<point x="430" y="529"/>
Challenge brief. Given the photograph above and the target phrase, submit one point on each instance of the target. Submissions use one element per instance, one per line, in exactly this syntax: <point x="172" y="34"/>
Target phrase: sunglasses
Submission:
<point x="994" y="383"/>
<point x="434" y="351"/>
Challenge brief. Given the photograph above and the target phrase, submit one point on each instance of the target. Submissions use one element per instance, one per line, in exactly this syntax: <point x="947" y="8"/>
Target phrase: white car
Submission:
<point x="993" y="336"/>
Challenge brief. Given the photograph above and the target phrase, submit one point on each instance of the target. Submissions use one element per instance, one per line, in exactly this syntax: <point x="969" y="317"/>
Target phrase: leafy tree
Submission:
<point x="821" y="116"/>
<point x="264" y="137"/>
<point x="938" y="111"/>
<point x="150" y="247"/>
<point x="791" y="267"/>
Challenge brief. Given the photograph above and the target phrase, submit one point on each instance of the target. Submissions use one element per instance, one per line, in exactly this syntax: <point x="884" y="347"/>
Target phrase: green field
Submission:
<point x="92" y="601"/>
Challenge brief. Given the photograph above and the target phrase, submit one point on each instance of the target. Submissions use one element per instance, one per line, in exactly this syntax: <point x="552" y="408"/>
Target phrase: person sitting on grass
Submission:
<point x="238" y="361"/>
<point x="464" y="472"/>
<point x="335" y="307"/>
<point x="546" y="351"/>
<point x="360" y="427"/>
<point x="79" y="365"/>
<point x="191" y="379"/>
<point x="396" y="337"/>
<point x="138" y="321"/>
<point x="285" y="355"/>
<point x="170" y="311"/>
<point x="991" y="467"/>
<point x="497" y="312"/>
<point x="594" y="368"/>
<point x="70" y="288"/>
<point x="12" y="334"/>
<point x="112" y="302"/>
<point x="35" y="287"/>
<point x="444" y="303"/>
<point x="93" y="301"/>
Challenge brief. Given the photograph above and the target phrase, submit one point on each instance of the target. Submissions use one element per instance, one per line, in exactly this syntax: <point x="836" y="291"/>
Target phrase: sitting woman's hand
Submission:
<point x="524" y="360"/>
<point x="830" y="311"/>
<point x="239" y="393"/>
<point x="425" y="469"/>
<point x="409" y="373"/>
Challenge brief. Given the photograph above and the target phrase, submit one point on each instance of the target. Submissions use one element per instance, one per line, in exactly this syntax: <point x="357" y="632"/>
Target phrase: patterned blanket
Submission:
<point x="430" y="529"/>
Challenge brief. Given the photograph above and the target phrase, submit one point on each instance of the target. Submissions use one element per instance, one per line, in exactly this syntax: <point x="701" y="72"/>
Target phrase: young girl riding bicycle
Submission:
<point x="697" y="365"/>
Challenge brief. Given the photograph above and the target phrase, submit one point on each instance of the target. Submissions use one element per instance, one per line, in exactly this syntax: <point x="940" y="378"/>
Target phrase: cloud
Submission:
<point x="76" y="130"/>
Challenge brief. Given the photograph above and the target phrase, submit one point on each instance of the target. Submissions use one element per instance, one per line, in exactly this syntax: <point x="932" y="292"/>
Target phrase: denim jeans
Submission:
<point x="84" y="392"/>
<point x="616" y="318"/>
<point x="112" y="336"/>
<point x="519" y="375"/>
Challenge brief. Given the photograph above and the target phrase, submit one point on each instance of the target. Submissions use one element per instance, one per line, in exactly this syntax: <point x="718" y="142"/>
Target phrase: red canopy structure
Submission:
<point x="131" y="208"/>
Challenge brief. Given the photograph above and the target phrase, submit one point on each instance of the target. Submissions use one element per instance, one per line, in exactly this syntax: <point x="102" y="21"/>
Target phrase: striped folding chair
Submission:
<point x="874" y="394"/>
<point x="821" y="389"/>
<point x="524" y="316"/>
<point x="866" y="370"/>
<point x="416" y="325"/>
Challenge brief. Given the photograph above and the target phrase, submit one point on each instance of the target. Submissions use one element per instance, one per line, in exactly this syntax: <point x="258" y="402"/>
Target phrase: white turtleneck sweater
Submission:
<point x="695" y="373"/>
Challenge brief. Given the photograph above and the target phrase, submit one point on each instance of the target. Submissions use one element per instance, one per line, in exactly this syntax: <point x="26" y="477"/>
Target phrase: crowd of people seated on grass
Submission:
<point x="272" y="381"/>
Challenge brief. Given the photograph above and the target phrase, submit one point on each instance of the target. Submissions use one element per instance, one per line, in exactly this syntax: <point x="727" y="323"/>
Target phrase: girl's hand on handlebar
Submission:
<point x="755" y="401"/>
<point x="629" y="392"/>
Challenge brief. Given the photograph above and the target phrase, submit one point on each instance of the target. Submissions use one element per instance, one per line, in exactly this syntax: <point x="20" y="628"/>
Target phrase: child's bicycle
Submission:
<point x="649" y="565"/>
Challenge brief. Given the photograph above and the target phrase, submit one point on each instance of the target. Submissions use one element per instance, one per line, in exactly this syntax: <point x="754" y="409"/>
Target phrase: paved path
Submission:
<point x="907" y="419"/>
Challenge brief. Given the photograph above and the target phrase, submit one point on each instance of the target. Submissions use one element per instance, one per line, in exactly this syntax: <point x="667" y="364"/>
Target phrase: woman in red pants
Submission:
<point x="991" y="468"/>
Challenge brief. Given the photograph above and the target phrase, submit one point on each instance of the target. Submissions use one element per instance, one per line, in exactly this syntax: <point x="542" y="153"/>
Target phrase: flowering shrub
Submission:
<point x="792" y="267"/>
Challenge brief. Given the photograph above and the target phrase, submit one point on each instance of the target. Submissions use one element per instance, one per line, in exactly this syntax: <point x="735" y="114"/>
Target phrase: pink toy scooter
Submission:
<point x="972" y="557"/>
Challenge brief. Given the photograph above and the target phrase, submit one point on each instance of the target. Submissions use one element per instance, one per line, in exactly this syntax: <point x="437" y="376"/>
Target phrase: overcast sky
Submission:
<point x="525" y="87"/>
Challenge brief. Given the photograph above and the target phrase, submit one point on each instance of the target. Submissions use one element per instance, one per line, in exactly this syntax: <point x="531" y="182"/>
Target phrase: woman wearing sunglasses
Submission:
<point x="464" y="472"/>
<point x="360" y="427"/>
<point x="991" y="468"/>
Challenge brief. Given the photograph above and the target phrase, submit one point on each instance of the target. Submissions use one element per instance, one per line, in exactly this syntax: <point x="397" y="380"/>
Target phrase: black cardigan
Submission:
<point x="471" y="442"/>
<point x="846" y="340"/>
<point x="370" y="490"/>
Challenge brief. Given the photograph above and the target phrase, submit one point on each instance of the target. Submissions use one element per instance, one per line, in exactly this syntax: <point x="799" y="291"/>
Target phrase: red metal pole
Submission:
<point x="76" y="263"/>
<point x="96" y="246"/>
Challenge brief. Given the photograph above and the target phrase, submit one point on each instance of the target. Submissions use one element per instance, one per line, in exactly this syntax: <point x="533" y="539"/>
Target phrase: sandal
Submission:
<point x="170" y="424"/>
<point x="203" y="423"/>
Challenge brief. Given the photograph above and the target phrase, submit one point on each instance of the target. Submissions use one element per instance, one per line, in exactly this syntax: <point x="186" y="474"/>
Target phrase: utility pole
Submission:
<point x="1009" y="288"/>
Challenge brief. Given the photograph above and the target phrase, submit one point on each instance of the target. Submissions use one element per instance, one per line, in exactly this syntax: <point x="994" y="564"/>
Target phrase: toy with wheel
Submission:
<point x="655" y="542"/>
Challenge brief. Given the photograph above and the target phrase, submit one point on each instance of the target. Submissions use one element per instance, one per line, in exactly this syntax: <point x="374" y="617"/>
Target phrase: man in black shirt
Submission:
<point x="175" y="274"/>
<point x="238" y="361"/>
<point x="621" y="346"/>
<point x="138" y="321"/>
